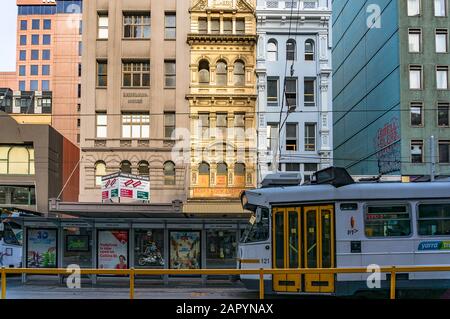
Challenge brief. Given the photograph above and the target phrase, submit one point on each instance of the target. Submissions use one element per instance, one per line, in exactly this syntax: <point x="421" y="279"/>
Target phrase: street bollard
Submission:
<point x="3" y="283"/>
<point x="261" y="283"/>
<point x="393" y="283"/>
<point x="132" y="283"/>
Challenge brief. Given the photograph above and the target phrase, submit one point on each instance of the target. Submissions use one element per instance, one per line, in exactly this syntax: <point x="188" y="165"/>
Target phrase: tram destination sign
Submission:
<point x="121" y="185"/>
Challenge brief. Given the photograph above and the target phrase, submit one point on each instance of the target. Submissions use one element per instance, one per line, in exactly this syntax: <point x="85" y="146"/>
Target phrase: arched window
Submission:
<point x="18" y="161"/>
<point x="272" y="50"/>
<point x="203" y="72"/>
<point x="221" y="73"/>
<point x="143" y="168"/>
<point x="239" y="174"/>
<point x="100" y="170"/>
<point x="169" y="173"/>
<point x="203" y="174"/>
<point x="125" y="167"/>
<point x="309" y="50"/>
<point x="239" y="73"/>
<point x="222" y="175"/>
<point x="290" y="50"/>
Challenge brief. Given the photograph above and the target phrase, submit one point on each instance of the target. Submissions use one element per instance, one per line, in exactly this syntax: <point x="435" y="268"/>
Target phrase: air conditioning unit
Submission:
<point x="282" y="179"/>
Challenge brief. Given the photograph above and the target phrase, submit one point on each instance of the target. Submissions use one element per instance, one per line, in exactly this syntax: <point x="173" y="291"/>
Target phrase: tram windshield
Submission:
<point x="258" y="227"/>
<point x="10" y="234"/>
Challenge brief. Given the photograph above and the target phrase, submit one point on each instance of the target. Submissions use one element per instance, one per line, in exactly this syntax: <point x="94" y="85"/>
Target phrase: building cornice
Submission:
<point x="194" y="38"/>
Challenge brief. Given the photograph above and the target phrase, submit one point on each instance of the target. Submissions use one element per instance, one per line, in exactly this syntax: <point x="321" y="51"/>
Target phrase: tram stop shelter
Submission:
<point x="122" y="235"/>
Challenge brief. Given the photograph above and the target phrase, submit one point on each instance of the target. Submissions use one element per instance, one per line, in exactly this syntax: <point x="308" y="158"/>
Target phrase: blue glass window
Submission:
<point x="47" y="24"/>
<point x="35" y="24"/>
<point x="23" y="40"/>
<point x="46" y="39"/>
<point x="45" y="54"/>
<point x="34" y="70"/>
<point x="46" y="70"/>
<point x="45" y="85"/>
<point x="35" y="39"/>
<point x="22" y="55"/>
<point x="34" y="85"/>
<point x="34" y="54"/>
<point x="21" y="85"/>
<point x="23" y="24"/>
<point x="22" y="70"/>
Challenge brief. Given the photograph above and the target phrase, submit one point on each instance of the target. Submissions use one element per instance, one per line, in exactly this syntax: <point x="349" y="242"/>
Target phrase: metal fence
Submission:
<point x="132" y="273"/>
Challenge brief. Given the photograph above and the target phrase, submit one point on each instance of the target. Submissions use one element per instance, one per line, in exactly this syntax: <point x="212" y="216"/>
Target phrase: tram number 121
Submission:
<point x="265" y="261"/>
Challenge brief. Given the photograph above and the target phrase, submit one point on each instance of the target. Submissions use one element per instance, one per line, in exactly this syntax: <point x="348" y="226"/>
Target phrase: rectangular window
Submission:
<point x="240" y="26"/>
<point x="416" y="113"/>
<point x="413" y="8"/>
<point x="310" y="137"/>
<point x="34" y="69"/>
<point x="136" y="26"/>
<point x="169" y="124"/>
<point x="23" y="40"/>
<point x="443" y="114"/>
<point x="221" y="125"/>
<point x="170" y="29"/>
<point x="387" y="221"/>
<point x="442" y="77"/>
<point x="227" y="26"/>
<point x="135" y="125"/>
<point x="34" y="85"/>
<point x="45" y="85"/>
<point x="415" y="39"/>
<point x="202" y="25"/>
<point x="291" y="92"/>
<point x="22" y="55"/>
<point x="47" y="24"/>
<point x="23" y="25"/>
<point x="46" y="39"/>
<point x="102" y="125"/>
<point x="102" y="73"/>
<point x="272" y="90"/>
<point x="79" y="69"/>
<point x="102" y="26"/>
<point x="35" y="39"/>
<point x="215" y="26"/>
<point x="34" y="54"/>
<point x="204" y="124"/>
<point x="440" y="8"/>
<point x="22" y="70"/>
<point x="136" y="74"/>
<point x="272" y="136"/>
<point x="291" y="137"/>
<point x="21" y="85"/>
<point x="170" y="74"/>
<point x="441" y="41"/>
<point x="35" y="24"/>
<point x="444" y="152"/>
<point x="45" y="54"/>
<point x="46" y="70"/>
<point x="292" y="167"/>
<point x="415" y="77"/>
<point x="434" y="219"/>
<point x="79" y="90"/>
<point x="80" y="48"/>
<point x="309" y="92"/>
<point x="416" y="152"/>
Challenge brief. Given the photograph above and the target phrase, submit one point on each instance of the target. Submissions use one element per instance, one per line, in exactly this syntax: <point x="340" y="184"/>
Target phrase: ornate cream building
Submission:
<point x="222" y="103"/>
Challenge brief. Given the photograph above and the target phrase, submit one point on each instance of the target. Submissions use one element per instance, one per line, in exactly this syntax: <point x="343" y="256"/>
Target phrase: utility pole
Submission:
<point x="433" y="159"/>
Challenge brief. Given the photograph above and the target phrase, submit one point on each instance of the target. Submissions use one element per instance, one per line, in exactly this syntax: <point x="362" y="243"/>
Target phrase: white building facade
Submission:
<point x="294" y="73"/>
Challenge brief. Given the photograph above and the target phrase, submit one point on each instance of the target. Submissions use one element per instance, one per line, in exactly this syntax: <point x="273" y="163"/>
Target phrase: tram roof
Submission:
<point x="352" y="192"/>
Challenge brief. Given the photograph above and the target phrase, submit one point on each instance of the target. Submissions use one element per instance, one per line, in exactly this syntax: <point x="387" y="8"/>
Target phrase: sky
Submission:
<point x="8" y="25"/>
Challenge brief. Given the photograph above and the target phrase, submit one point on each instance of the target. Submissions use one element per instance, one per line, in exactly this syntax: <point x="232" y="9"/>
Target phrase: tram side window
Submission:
<point x="387" y="221"/>
<point x="257" y="231"/>
<point x="434" y="219"/>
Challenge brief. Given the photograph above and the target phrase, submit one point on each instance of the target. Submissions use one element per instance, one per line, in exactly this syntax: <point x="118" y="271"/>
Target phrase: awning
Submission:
<point x="214" y="207"/>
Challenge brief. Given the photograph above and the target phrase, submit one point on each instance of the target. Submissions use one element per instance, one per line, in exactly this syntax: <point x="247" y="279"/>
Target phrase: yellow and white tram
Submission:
<point x="335" y="222"/>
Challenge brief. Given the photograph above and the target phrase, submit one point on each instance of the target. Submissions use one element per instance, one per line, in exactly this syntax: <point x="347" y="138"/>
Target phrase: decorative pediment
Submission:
<point x="201" y="5"/>
<point x="239" y="5"/>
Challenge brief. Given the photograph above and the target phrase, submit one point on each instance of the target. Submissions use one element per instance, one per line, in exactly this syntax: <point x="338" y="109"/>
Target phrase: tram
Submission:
<point x="336" y="222"/>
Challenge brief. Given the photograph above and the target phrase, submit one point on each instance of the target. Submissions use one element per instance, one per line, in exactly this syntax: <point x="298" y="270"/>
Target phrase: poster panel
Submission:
<point x="41" y="248"/>
<point x="112" y="249"/>
<point x="185" y="250"/>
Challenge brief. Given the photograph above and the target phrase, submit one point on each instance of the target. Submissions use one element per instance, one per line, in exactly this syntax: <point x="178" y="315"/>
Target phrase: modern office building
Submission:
<point x="135" y="79"/>
<point x="49" y="57"/>
<point x="294" y="86"/>
<point x="36" y="163"/>
<point x="222" y="104"/>
<point x="8" y="80"/>
<point x="391" y="87"/>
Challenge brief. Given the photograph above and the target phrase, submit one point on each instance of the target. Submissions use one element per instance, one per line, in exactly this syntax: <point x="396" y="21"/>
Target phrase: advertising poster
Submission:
<point x="113" y="249"/>
<point x="41" y="248"/>
<point x="185" y="250"/>
<point x="120" y="185"/>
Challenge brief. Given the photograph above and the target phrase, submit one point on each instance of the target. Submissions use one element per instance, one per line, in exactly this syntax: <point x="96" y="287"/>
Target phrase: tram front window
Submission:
<point x="257" y="230"/>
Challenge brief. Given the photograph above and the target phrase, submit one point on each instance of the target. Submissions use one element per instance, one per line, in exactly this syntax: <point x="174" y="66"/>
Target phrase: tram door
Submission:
<point x="303" y="238"/>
